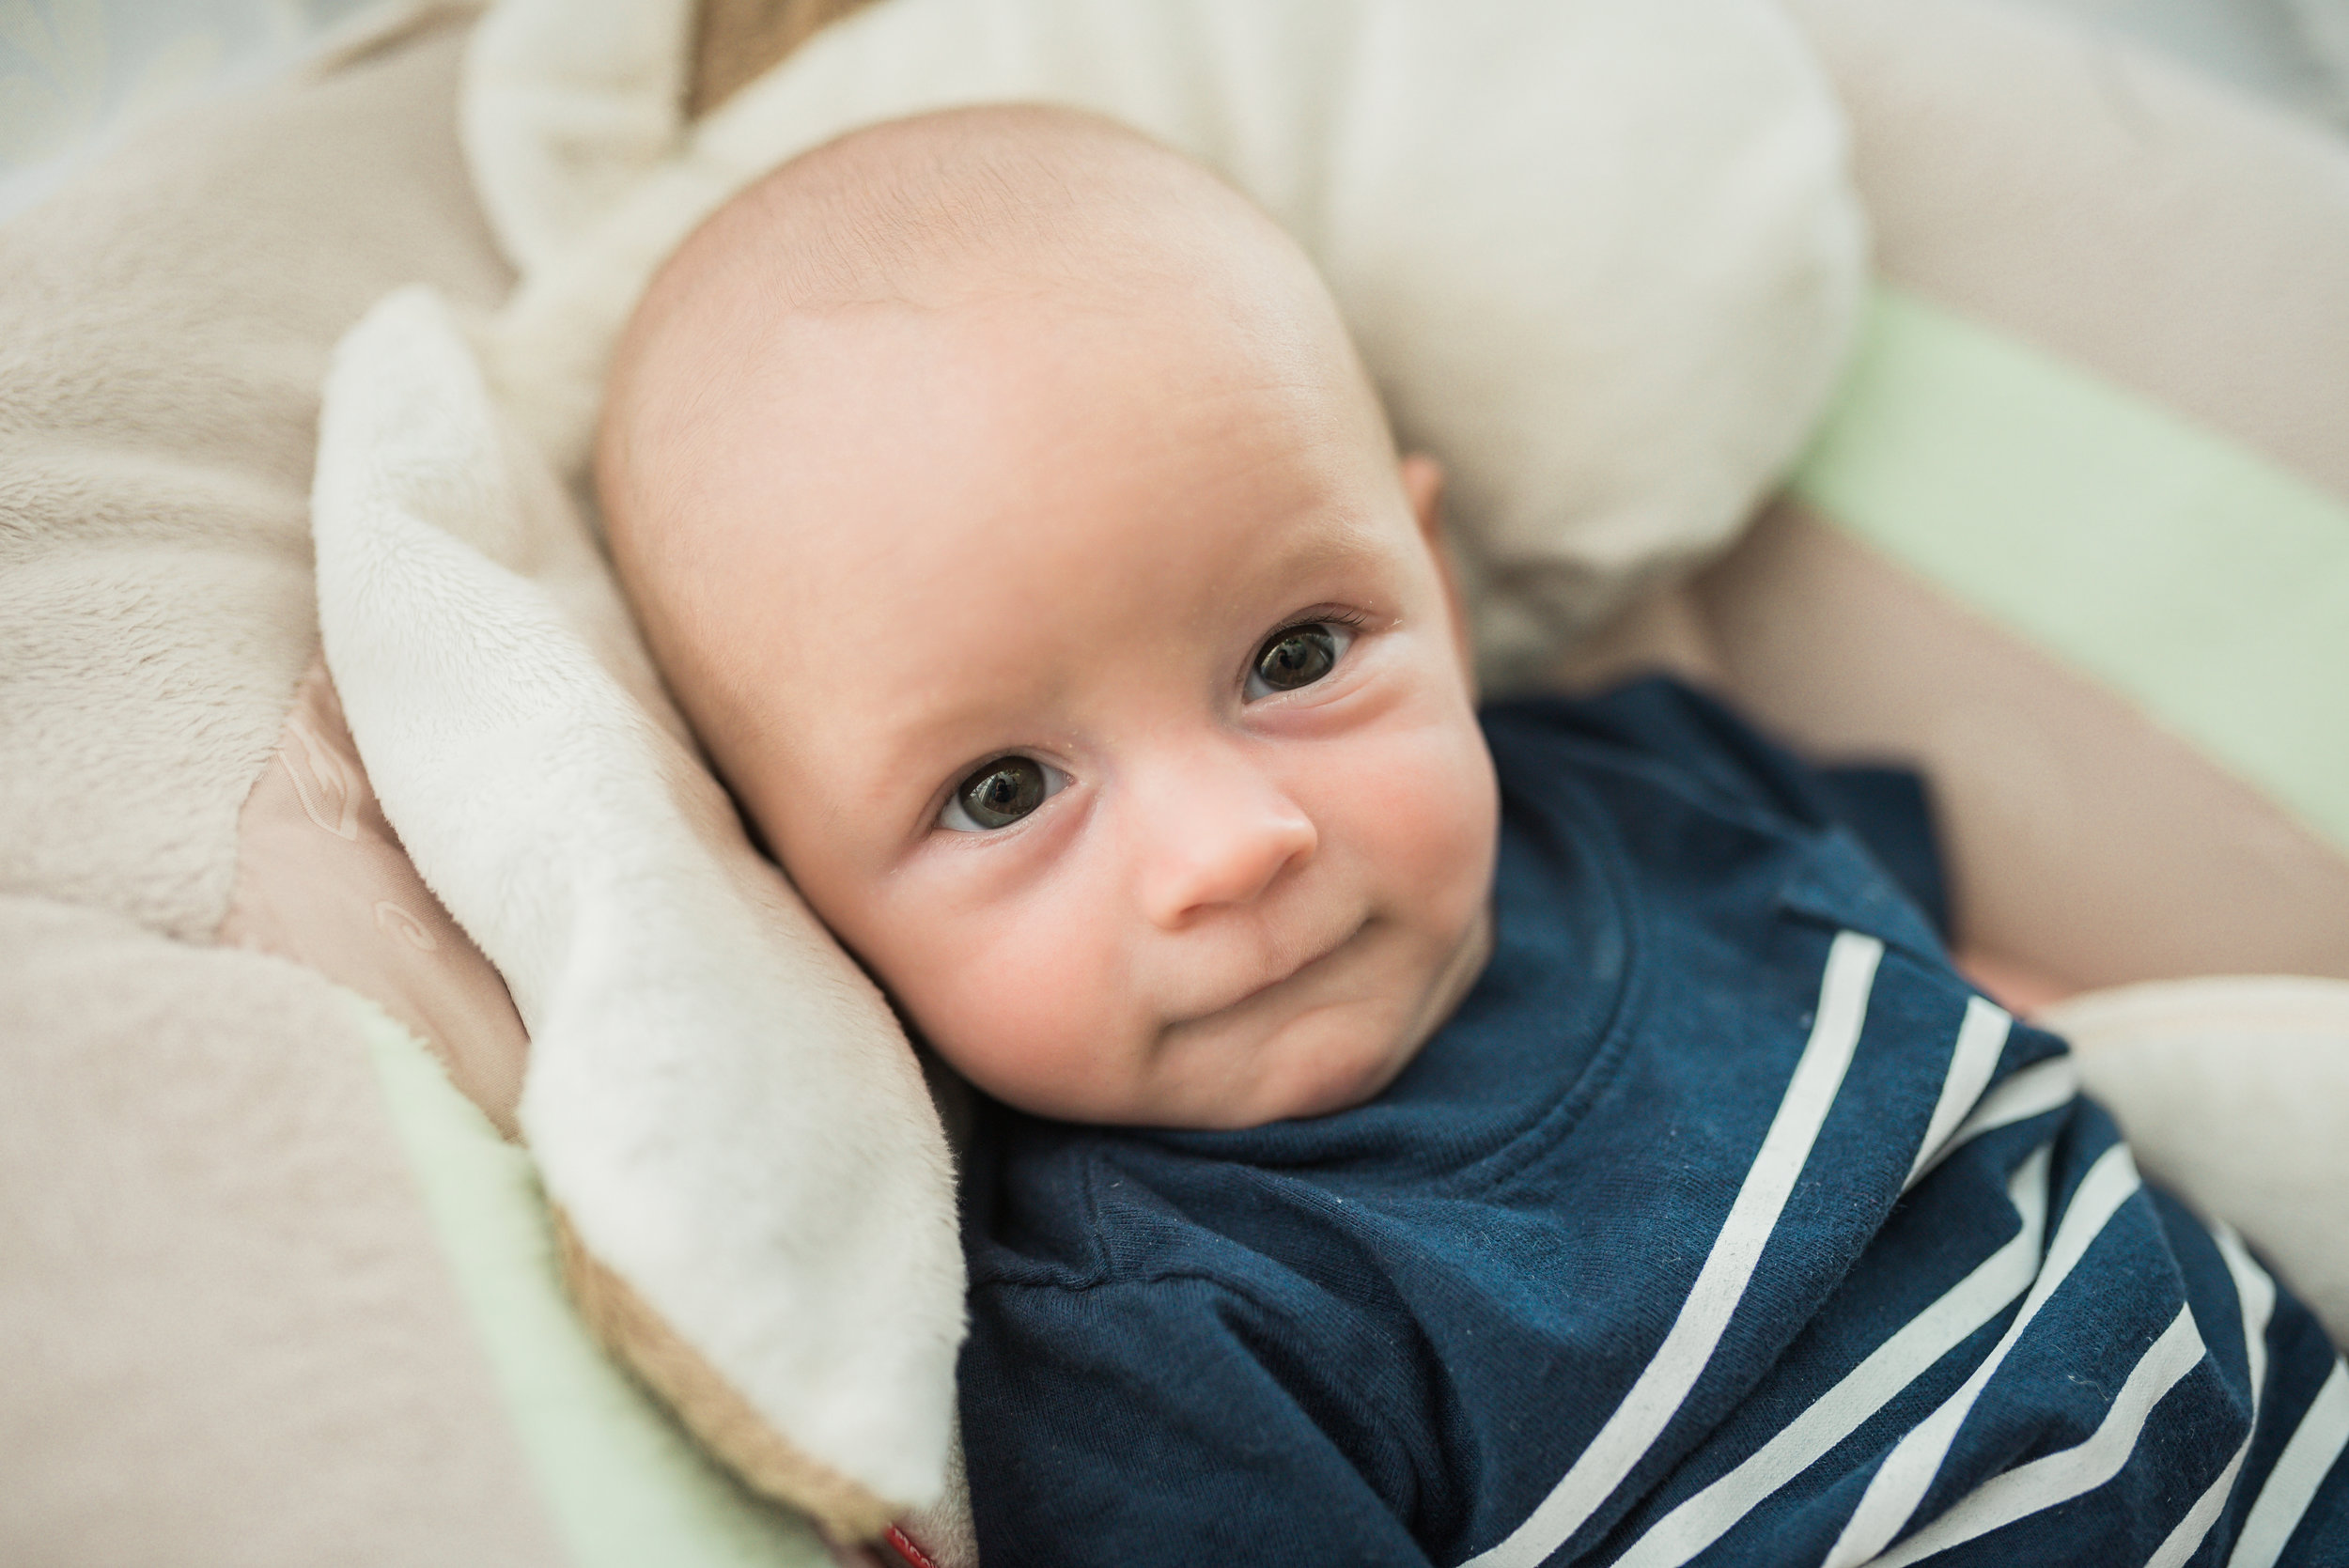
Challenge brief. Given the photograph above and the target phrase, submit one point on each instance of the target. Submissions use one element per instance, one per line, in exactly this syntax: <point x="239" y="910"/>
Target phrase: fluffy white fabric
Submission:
<point x="1603" y="259"/>
<point x="717" y="1097"/>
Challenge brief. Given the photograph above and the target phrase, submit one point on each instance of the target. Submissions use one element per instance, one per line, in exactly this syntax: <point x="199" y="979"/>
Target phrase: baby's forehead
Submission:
<point x="936" y="209"/>
<point x="943" y="211"/>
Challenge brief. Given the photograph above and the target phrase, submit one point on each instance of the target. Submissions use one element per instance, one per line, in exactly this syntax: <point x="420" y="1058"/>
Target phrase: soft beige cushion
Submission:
<point x="162" y="331"/>
<point x="230" y="1336"/>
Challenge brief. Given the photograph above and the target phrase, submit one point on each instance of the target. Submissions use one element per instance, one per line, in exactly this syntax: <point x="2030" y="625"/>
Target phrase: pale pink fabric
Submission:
<point x="322" y="879"/>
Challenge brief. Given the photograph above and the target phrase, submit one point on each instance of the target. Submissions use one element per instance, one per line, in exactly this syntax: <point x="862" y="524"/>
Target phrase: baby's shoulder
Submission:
<point x="1059" y="1207"/>
<point x="1658" y="731"/>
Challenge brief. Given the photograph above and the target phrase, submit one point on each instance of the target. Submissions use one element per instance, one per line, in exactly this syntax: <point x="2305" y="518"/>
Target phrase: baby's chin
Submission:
<point x="1338" y="1056"/>
<point x="1330" y="1058"/>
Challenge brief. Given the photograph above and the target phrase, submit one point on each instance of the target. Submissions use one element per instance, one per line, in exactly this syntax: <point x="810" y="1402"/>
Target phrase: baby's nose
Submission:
<point x="1221" y="833"/>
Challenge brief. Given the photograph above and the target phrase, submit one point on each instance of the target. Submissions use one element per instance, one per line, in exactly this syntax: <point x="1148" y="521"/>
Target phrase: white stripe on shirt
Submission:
<point x="1868" y="1387"/>
<point x="1681" y="1359"/>
<point x="1972" y="1060"/>
<point x="2255" y="1298"/>
<point x="2299" y="1470"/>
<point x="2060" y="1477"/>
<point x="1907" y="1472"/>
<point x="2035" y="1089"/>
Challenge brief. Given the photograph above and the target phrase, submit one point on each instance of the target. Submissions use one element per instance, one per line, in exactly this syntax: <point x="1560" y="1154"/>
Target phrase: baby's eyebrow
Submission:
<point x="1324" y="542"/>
<point x="1317" y="536"/>
<point x="933" y="738"/>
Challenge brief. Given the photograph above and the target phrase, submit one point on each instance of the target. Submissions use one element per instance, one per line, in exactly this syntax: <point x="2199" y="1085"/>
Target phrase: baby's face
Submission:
<point x="1106" y="696"/>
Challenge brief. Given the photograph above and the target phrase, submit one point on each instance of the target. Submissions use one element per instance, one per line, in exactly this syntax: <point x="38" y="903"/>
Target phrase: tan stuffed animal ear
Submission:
<point x="756" y="1198"/>
<point x="711" y="1408"/>
<point x="735" y="40"/>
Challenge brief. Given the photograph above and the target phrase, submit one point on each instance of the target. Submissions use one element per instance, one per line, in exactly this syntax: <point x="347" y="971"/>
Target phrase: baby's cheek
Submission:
<point x="1021" y="999"/>
<point x="1424" y="814"/>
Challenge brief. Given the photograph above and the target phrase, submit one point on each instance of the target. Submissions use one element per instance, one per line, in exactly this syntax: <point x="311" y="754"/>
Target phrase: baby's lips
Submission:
<point x="1270" y="973"/>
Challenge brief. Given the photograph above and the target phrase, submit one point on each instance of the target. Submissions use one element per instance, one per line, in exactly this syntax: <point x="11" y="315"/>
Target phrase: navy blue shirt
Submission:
<point x="1723" y="1223"/>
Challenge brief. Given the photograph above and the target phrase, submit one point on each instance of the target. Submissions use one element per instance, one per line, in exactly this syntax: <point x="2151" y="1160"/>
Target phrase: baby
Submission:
<point x="1408" y="1138"/>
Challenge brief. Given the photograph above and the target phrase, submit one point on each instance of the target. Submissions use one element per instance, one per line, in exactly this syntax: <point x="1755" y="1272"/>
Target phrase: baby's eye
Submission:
<point x="1000" y="793"/>
<point x="1297" y="656"/>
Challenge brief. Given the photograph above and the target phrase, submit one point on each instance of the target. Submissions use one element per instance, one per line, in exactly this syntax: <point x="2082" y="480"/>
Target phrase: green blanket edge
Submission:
<point x="2199" y="581"/>
<point x="625" y="1484"/>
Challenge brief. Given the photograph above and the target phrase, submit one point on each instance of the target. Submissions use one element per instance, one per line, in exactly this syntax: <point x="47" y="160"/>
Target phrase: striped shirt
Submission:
<point x="1723" y="1225"/>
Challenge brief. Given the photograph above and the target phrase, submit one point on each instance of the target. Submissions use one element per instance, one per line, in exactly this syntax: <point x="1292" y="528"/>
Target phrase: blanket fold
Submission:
<point x="722" y="1107"/>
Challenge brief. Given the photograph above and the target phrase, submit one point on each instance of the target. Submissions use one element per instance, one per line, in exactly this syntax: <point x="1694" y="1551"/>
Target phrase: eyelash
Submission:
<point x="1353" y="620"/>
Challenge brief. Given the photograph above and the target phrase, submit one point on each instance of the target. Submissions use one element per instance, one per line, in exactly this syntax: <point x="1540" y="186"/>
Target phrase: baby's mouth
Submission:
<point x="1318" y="964"/>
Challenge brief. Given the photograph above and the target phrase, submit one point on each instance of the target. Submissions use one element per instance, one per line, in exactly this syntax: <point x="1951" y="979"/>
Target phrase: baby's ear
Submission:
<point x="1422" y="483"/>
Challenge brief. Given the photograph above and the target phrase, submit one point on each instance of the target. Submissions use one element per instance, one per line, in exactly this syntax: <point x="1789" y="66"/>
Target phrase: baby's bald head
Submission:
<point x="810" y="287"/>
